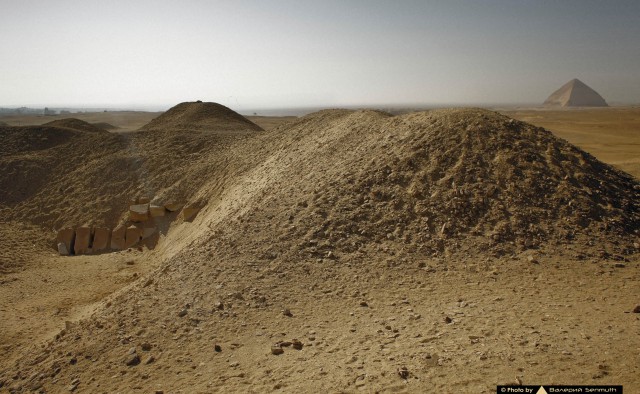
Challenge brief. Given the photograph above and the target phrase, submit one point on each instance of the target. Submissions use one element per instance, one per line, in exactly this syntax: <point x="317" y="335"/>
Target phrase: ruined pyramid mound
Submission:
<point x="32" y="138"/>
<point x="105" y="126"/>
<point x="575" y="94"/>
<point x="201" y="116"/>
<point x="43" y="167"/>
<point x="75" y="124"/>
<point x="435" y="181"/>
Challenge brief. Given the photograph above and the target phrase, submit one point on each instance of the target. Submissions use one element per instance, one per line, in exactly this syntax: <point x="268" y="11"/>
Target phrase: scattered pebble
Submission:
<point x="296" y="344"/>
<point x="74" y="384"/>
<point x="132" y="360"/>
<point x="403" y="372"/>
<point x="276" y="349"/>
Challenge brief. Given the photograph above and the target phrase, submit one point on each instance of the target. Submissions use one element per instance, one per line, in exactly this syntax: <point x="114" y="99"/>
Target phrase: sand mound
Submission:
<point x="105" y="126"/>
<point x="32" y="138"/>
<point x="440" y="181"/>
<point x="575" y="94"/>
<point x="199" y="116"/>
<point x="75" y="124"/>
<point x="59" y="176"/>
<point x="42" y="164"/>
<point x="3" y="124"/>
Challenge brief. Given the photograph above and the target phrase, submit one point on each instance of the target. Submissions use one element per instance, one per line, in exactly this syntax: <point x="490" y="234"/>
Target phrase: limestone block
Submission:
<point x="100" y="238"/>
<point x="144" y="200"/>
<point x="83" y="240"/>
<point x="62" y="249"/>
<point x="67" y="237"/>
<point x="172" y="206"/>
<point x="118" y="237"/>
<point x="148" y="231"/>
<point x="156" y="211"/>
<point x="189" y="212"/>
<point x="139" y="212"/>
<point x="132" y="236"/>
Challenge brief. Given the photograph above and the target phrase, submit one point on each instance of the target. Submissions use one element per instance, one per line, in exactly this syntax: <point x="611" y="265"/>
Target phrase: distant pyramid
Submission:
<point x="575" y="94"/>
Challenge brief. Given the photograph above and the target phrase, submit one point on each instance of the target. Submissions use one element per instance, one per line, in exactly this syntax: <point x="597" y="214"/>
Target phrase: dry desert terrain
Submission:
<point x="447" y="250"/>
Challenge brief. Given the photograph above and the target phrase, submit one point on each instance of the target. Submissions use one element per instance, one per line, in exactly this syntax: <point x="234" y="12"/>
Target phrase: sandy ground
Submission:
<point x="39" y="299"/>
<point x="385" y="324"/>
<point x="610" y="134"/>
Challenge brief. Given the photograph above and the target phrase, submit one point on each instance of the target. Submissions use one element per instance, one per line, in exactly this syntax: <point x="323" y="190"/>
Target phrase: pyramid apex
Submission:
<point x="575" y="93"/>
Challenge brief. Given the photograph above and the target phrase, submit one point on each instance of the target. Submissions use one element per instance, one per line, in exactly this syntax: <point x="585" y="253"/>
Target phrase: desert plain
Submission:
<point x="446" y="250"/>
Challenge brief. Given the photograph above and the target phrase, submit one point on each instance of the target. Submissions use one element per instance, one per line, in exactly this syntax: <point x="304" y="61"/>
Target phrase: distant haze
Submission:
<point x="274" y="54"/>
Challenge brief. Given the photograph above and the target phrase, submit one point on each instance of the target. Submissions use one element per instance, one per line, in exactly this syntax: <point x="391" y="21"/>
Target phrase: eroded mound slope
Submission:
<point x="199" y="115"/>
<point x="76" y="124"/>
<point x="27" y="157"/>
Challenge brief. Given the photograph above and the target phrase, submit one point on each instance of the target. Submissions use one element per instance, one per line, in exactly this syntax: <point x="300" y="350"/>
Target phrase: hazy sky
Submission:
<point x="277" y="53"/>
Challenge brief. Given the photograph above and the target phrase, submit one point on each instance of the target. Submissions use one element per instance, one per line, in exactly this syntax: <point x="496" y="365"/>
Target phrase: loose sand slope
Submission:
<point x="420" y="253"/>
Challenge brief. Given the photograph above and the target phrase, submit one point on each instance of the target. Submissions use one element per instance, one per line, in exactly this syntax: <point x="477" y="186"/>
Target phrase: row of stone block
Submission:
<point x="88" y="240"/>
<point x="141" y="212"/>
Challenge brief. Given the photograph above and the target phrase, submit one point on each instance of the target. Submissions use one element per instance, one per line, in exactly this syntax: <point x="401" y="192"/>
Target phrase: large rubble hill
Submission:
<point x="202" y="116"/>
<point x="436" y="182"/>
